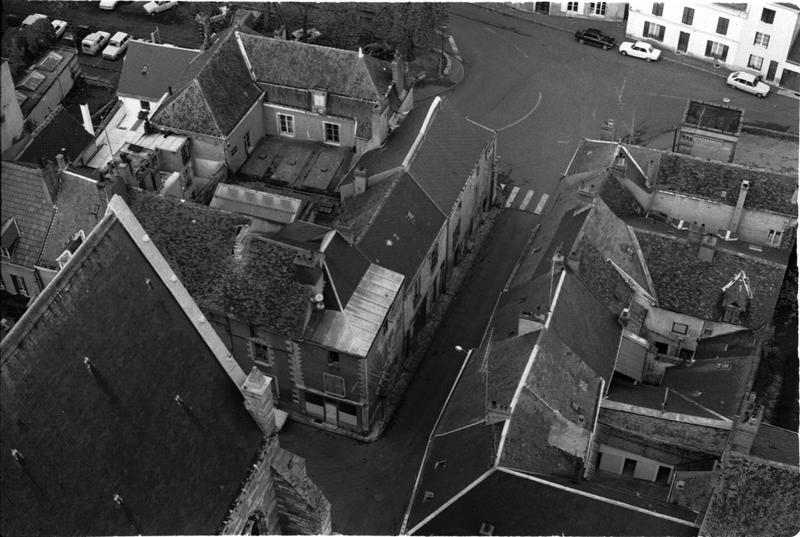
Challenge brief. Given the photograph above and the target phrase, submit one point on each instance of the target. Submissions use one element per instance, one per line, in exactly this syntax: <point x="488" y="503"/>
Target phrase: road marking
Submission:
<point x="526" y="200"/>
<point x="542" y="201"/>
<point x="523" y="118"/>
<point x="562" y="141"/>
<point x="512" y="196"/>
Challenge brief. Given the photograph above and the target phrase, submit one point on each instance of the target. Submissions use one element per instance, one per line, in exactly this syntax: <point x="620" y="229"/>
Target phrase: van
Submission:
<point x="116" y="46"/>
<point x="93" y="42"/>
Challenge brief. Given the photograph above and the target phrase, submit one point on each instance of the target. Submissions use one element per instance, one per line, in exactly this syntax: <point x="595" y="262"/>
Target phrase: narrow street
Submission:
<point x="543" y="92"/>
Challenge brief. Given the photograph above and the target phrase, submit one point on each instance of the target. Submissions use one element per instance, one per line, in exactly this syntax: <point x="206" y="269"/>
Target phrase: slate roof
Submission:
<point x="25" y="197"/>
<point x="346" y="266"/>
<point x="198" y="243"/>
<point x="88" y="433"/>
<point x="307" y="66"/>
<point x="63" y="134"/>
<point x="707" y="179"/>
<point x="403" y="229"/>
<point x="80" y="206"/>
<point x="216" y="91"/>
<point x="776" y="444"/>
<point x="449" y="151"/>
<point x="164" y="65"/>
<point x="712" y="116"/>
<point x="753" y="497"/>
<point x="686" y="284"/>
<point x="516" y="505"/>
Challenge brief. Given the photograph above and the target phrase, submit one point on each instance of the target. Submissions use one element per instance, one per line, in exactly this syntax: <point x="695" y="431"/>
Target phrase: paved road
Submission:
<point x="543" y="92"/>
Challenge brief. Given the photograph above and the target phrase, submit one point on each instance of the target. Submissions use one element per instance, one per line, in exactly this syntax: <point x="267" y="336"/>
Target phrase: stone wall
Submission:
<point x="302" y="509"/>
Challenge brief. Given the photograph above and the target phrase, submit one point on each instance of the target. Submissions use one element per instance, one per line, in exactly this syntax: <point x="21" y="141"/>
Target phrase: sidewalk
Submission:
<point x="453" y="75"/>
<point x="615" y="29"/>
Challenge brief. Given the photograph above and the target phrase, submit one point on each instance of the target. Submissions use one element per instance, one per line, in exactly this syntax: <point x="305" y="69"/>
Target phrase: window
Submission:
<point x="234" y="150"/>
<point x="416" y="289"/>
<point x="755" y="62"/>
<point x="434" y="258"/>
<point x="767" y="15"/>
<point x="688" y="16"/>
<point x="658" y="8"/>
<point x="773" y="238"/>
<point x="629" y="467"/>
<point x="19" y="285"/>
<point x="762" y="40"/>
<point x="333" y="358"/>
<point x="716" y="50"/>
<point x="247" y="144"/>
<point x="185" y="154"/>
<point x="680" y="328"/>
<point x="334" y="384"/>
<point x="2" y="284"/>
<point x="654" y="31"/>
<point x="722" y="26"/>
<point x="331" y="133"/>
<point x="286" y="124"/>
<point x="261" y="353"/>
<point x="572" y="6"/>
<point x="597" y="8"/>
<point x="144" y="105"/>
<point x="5" y="252"/>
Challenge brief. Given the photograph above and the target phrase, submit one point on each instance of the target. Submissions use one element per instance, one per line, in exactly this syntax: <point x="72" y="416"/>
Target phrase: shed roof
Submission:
<point x="90" y="430"/>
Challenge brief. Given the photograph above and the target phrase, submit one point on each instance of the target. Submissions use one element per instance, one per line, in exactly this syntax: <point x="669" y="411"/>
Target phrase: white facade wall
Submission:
<point x="739" y="37"/>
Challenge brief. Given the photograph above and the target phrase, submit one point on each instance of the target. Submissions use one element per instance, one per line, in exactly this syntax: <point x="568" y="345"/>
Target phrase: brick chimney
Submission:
<point x="399" y="74"/>
<point x="745" y="426"/>
<point x="360" y="180"/>
<point x="257" y="391"/>
<point x="737" y="212"/>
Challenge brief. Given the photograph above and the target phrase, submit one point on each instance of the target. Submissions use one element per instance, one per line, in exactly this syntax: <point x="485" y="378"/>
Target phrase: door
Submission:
<point x="683" y="42"/>
<point x="773" y="67"/>
<point x="330" y="413"/>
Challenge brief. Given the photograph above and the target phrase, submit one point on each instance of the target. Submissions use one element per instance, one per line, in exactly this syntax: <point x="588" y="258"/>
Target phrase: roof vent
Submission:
<point x="486" y="529"/>
<point x="428" y="496"/>
<point x="144" y="69"/>
<point x="440" y="464"/>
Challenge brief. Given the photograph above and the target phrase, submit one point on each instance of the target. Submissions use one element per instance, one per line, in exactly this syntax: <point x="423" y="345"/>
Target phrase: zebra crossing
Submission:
<point x="521" y="200"/>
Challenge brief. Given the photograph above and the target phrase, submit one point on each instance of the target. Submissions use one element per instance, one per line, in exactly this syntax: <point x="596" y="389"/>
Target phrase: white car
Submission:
<point x="93" y="42"/>
<point x="116" y="46"/>
<point x="749" y="83"/>
<point x="108" y="4"/>
<point x="640" y="49"/>
<point x="157" y="6"/>
<point x="60" y="27"/>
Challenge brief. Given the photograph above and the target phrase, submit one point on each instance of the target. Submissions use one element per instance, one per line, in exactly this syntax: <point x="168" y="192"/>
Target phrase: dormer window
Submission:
<point x="10" y="236"/>
<point x="318" y="101"/>
<point x="62" y="260"/>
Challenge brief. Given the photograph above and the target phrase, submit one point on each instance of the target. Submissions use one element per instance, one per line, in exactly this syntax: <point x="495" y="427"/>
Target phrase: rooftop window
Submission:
<point x="32" y="81"/>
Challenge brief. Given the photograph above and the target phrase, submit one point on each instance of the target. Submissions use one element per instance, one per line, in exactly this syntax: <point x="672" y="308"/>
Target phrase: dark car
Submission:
<point x="595" y="37"/>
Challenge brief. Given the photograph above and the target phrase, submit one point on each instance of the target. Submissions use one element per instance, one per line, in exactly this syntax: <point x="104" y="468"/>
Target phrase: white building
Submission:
<point x="759" y="37"/>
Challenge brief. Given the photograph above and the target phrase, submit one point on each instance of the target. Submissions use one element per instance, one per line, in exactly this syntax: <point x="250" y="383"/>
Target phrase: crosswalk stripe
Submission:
<point x="512" y="196"/>
<point x="540" y="206"/>
<point x="526" y="200"/>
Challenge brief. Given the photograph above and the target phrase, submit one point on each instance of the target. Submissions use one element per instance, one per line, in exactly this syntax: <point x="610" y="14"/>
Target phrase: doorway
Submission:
<point x="330" y="413"/>
<point x="683" y="42"/>
<point x="773" y="67"/>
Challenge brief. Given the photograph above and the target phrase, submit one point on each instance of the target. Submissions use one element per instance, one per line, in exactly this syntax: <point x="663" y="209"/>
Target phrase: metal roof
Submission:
<point x="353" y="330"/>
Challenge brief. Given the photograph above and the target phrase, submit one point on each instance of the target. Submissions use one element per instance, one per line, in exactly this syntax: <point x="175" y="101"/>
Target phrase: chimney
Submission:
<point x="737" y="212"/>
<point x="558" y="262"/>
<point x="60" y="161"/>
<point x="746" y="425"/>
<point x="257" y="391"/>
<point x="51" y="176"/>
<point x="399" y="73"/>
<point x="574" y="261"/>
<point x="308" y="267"/>
<point x="651" y="170"/>
<point x="360" y="180"/>
<point x="708" y="245"/>
<point x="530" y="322"/>
<point x="87" y="119"/>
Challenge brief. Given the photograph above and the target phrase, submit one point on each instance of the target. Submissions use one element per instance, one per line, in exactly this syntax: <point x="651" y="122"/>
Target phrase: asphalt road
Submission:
<point x="543" y="92"/>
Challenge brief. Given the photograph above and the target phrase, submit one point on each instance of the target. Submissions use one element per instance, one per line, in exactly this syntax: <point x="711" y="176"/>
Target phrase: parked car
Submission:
<point x="640" y="49"/>
<point x="748" y="82"/>
<point x="116" y="46"/>
<point x="30" y="19"/>
<point x="60" y="27"/>
<point x="108" y="4"/>
<point x="93" y="42"/>
<point x="592" y="36"/>
<point x="157" y="6"/>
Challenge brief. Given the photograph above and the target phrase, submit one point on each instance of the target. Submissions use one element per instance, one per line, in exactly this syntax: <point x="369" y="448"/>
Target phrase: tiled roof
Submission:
<point x="449" y="151"/>
<point x="776" y="444"/>
<point x="403" y="230"/>
<point x="198" y="242"/>
<point x="307" y="66"/>
<point x="714" y="116"/>
<point x="88" y="432"/>
<point x="686" y="284"/>
<point x="753" y="497"/>
<point x="80" y="205"/>
<point x="721" y="182"/>
<point x="518" y="505"/>
<point x="25" y="198"/>
<point x="216" y="92"/>
<point x="149" y="69"/>
<point x="63" y="134"/>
